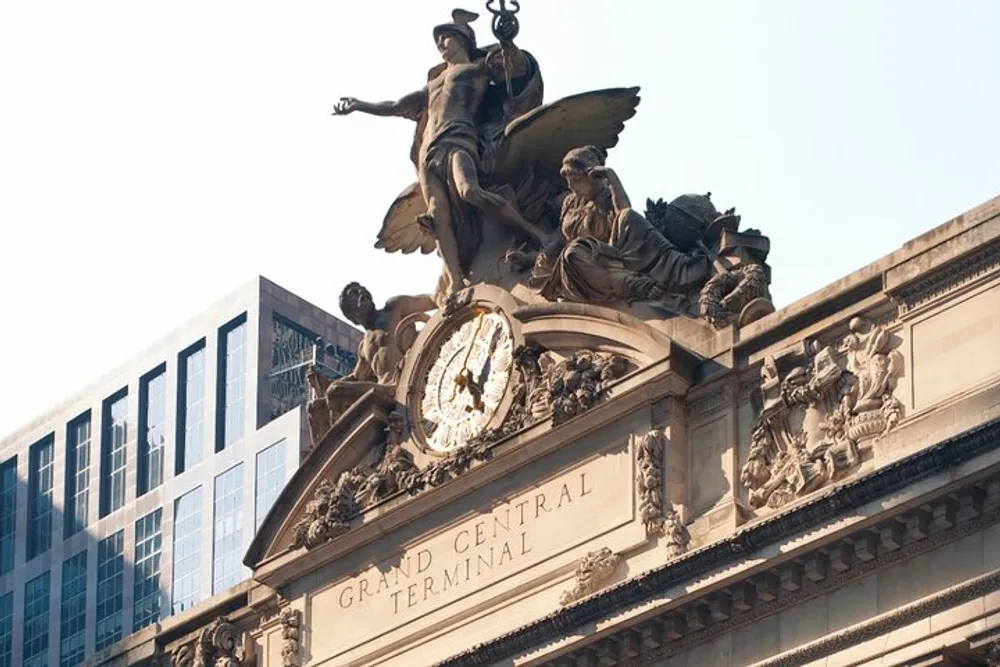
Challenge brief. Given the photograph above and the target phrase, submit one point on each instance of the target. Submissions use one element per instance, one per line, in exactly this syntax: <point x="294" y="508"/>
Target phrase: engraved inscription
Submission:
<point x="488" y="545"/>
<point x="489" y="549"/>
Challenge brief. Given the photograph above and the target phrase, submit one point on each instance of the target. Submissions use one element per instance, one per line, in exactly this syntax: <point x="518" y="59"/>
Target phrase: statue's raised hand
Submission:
<point x="345" y="106"/>
<point x="598" y="173"/>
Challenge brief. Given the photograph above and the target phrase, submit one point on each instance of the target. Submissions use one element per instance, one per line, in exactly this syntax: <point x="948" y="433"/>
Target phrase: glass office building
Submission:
<point x="136" y="499"/>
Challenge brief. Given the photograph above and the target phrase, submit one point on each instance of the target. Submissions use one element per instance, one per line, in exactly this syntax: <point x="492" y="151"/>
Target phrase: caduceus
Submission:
<point x="505" y="28"/>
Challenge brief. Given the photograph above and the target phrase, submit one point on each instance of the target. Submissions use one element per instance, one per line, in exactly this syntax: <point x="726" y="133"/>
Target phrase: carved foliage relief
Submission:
<point x="659" y="518"/>
<point x="291" y="637"/>
<point x="821" y="405"/>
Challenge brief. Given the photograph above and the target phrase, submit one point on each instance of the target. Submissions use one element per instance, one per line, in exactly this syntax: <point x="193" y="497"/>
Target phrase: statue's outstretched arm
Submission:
<point x="408" y="106"/>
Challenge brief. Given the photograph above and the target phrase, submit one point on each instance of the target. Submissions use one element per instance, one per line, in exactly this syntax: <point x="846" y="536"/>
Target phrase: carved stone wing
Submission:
<point x="400" y="231"/>
<point x="543" y="136"/>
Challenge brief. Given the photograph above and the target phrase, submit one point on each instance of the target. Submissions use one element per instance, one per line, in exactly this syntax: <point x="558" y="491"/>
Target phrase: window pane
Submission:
<point x="40" y="480"/>
<point x="77" y="475"/>
<point x="153" y="427"/>
<point x="6" y="629"/>
<point x="73" y="611"/>
<point x="113" y="442"/>
<point x="270" y="479"/>
<point x="110" y="589"/>
<point x="8" y="514"/>
<point x="191" y="409"/>
<point x="227" y="538"/>
<point x="292" y="344"/>
<point x="187" y="551"/>
<point x="233" y="377"/>
<point x="148" y="545"/>
<point x="36" y="622"/>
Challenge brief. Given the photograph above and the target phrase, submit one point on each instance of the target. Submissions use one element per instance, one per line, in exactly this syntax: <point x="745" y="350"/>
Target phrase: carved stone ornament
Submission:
<point x="728" y="296"/>
<point x="546" y="388"/>
<point x="389" y="333"/>
<point x="219" y="645"/>
<point x="659" y="519"/>
<point x="335" y="503"/>
<point x="820" y="404"/>
<point x="291" y="637"/>
<point x="504" y="179"/>
<point x="593" y="571"/>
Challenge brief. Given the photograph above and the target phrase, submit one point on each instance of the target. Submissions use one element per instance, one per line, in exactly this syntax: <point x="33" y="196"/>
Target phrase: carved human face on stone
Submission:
<point x="452" y="48"/>
<point x="580" y="183"/>
<point x="357" y="304"/>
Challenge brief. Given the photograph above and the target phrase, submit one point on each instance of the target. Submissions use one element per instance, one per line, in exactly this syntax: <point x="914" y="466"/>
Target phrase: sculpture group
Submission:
<point x="512" y="192"/>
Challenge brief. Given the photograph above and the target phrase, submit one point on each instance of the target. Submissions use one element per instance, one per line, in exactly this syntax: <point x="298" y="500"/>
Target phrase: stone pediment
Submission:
<point x="569" y="369"/>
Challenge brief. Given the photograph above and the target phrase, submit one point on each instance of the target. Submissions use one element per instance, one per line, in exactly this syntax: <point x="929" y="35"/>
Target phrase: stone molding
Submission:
<point x="947" y="279"/>
<point x="894" y="620"/>
<point x="895" y="539"/>
<point x="716" y="400"/>
<point x="772" y="530"/>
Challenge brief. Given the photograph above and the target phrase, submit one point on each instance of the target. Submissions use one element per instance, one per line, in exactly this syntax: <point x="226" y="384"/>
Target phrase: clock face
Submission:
<point x="466" y="381"/>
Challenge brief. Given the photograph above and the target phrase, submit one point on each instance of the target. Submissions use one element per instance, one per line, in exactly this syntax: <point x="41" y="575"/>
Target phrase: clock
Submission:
<point x="465" y="379"/>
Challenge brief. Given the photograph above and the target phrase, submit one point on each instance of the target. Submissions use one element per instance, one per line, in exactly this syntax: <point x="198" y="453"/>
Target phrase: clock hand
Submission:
<point x="460" y="379"/>
<point x="477" y="387"/>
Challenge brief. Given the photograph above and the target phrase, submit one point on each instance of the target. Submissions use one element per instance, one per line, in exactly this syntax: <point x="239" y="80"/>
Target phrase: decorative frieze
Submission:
<point x="715" y="400"/>
<point x="593" y="571"/>
<point x="820" y="404"/>
<point x="948" y="278"/>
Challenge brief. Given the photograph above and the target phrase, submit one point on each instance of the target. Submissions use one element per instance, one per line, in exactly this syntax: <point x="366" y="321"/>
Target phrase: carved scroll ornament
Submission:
<point x="219" y="645"/>
<point x="819" y="407"/>
<point x="593" y="571"/>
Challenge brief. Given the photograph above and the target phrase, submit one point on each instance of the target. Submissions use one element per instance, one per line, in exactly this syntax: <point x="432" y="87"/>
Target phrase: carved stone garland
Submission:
<point x="291" y="637"/>
<point x="819" y="406"/>
<point x="593" y="571"/>
<point x="659" y="521"/>
<point x="725" y="294"/>
<point x="219" y="645"/>
<point x="560" y="391"/>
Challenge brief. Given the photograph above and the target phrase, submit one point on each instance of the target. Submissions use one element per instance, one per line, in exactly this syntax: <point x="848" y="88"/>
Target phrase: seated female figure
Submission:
<point x="608" y="251"/>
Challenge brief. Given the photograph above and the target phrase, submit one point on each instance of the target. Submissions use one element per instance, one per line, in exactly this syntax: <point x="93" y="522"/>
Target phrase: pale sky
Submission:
<point x="155" y="156"/>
